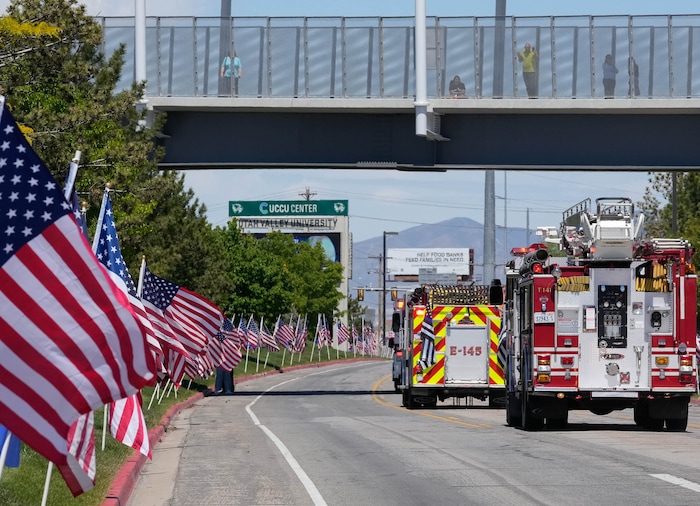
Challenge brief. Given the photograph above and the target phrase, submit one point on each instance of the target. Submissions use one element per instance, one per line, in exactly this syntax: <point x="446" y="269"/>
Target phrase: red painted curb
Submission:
<point x="124" y="482"/>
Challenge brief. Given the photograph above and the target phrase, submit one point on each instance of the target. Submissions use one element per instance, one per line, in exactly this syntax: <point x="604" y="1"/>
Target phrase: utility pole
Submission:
<point x="379" y="295"/>
<point x="489" y="226"/>
<point x="307" y="194"/>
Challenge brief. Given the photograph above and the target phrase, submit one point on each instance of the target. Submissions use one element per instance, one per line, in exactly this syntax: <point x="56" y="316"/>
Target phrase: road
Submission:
<point x="338" y="435"/>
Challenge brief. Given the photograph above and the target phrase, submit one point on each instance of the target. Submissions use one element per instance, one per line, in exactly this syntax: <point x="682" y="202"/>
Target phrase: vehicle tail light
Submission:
<point x="537" y="269"/>
<point x="567" y="361"/>
<point x="544" y="369"/>
<point x="686" y="369"/>
<point x="661" y="361"/>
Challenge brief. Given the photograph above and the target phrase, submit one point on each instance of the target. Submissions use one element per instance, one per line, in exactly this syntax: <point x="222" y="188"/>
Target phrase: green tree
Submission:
<point x="274" y="275"/>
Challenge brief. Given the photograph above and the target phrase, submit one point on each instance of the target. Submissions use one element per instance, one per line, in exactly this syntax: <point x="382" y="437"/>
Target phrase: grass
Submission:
<point x="24" y="486"/>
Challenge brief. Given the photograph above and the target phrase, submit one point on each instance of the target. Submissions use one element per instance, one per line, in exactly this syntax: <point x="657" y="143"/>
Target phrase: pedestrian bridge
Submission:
<point x="339" y="92"/>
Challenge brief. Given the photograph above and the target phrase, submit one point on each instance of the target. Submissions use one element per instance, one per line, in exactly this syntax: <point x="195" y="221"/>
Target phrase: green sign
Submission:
<point x="288" y="208"/>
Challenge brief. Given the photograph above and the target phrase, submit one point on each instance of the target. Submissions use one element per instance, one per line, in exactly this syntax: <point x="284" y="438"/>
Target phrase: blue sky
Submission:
<point x="385" y="200"/>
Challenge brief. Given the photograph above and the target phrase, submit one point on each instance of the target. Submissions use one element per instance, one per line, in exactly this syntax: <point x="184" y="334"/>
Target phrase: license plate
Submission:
<point x="544" y="317"/>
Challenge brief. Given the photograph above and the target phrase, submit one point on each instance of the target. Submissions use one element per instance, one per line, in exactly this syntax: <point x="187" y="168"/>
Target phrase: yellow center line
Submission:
<point x="381" y="401"/>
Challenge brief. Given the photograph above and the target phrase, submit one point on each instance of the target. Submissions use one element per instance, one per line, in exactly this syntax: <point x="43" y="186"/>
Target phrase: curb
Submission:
<point x="124" y="482"/>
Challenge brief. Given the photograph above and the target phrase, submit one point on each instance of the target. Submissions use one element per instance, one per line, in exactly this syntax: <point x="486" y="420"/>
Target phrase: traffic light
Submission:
<point x="360" y="294"/>
<point x="394" y="294"/>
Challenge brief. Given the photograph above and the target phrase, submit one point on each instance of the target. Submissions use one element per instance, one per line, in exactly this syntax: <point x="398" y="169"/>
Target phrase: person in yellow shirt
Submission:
<point x="528" y="57"/>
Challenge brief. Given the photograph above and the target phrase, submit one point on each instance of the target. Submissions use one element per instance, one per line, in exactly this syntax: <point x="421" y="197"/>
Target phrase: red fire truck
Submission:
<point x="447" y="346"/>
<point x="609" y="326"/>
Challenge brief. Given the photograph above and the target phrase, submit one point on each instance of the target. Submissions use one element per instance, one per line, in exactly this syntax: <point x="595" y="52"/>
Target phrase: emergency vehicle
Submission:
<point x="447" y="345"/>
<point x="609" y="326"/>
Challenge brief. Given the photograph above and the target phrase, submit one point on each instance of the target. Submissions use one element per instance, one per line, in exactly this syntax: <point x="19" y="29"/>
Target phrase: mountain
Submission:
<point x="452" y="233"/>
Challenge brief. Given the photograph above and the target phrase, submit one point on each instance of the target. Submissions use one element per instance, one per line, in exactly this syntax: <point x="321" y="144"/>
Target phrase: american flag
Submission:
<point x="252" y="334"/>
<point x="354" y="336"/>
<point x="300" y="339"/>
<point x="70" y="342"/>
<point x="79" y="214"/>
<point x="81" y="444"/>
<point x="371" y="341"/>
<point x="327" y="331"/>
<point x="224" y="349"/>
<point x="242" y="332"/>
<point x="284" y="333"/>
<point x="175" y="366"/>
<point x="427" y="333"/>
<point x="343" y="334"/>
<point x="109" y="253"/>
<point x="193" y="318"/>
<point x="127" y="424"/>
<point x="266" y="337"/>
<point x="320" y="337"/>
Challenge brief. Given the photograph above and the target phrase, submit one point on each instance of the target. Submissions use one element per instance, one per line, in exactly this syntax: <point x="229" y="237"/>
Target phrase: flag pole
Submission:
<point x="105" y="415"/>
<point x="154" y="394"/>
<point x="72" y="173"/>
<point x="5" y="449"/>
<point x="328" y="343"/>
<point x="47" y="482"/>
<point x="303" y="334"/>
<point x="313" y="347"/>
<point x="257" y="365"/>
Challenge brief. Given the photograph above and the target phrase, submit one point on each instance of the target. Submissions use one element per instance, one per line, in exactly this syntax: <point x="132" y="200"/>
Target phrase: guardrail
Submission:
<point x="374" y="57"/>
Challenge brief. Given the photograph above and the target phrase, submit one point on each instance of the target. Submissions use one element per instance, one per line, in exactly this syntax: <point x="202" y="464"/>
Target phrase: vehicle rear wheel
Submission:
<point x="408" y="400"/>
<point x="529" y="421"/>
<point x="513" y="416"/>
<point x="677" y="424"/>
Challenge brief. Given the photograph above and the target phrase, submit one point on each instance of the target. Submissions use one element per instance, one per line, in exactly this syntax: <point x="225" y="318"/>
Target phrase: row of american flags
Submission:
<point x="77" y="334"/>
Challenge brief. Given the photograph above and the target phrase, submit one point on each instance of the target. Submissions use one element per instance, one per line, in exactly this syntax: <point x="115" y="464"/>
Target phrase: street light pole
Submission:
<point x="383" y="308"/>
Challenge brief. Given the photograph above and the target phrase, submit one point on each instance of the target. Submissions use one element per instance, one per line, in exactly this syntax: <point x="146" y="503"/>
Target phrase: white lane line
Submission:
<point x="678" y="481"/>
<point x="301" y="474"/>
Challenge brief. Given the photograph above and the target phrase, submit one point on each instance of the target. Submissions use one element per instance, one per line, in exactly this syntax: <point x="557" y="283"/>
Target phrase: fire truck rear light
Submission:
<point x="544" y="378"/>
<point x="685" y="377"/>
<point x="687" y="360"/>
<point x="661" y="361"/>
<point x="544" y="359"/>
<point x="537" y="269"/>
<point x="518" y="252"/>
<point x="567" y="361"/>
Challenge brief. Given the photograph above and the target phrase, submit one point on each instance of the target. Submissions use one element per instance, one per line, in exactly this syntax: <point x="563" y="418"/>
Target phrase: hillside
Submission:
<point x="452" y="233"/>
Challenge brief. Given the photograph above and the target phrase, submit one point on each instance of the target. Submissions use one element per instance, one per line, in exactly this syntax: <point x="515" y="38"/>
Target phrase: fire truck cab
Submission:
<point x="447" y="345"/>
<point x="609" y="326"/>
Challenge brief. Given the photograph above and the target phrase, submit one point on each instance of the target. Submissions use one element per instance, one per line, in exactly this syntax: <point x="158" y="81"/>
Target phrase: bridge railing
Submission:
<point x="374" y="57"/>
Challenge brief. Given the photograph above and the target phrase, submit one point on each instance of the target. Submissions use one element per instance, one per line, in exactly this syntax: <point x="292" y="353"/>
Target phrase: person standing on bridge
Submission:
<point x="231" y="70"/>
<point x="609" y="76"/>
<point x="528" y="57"/>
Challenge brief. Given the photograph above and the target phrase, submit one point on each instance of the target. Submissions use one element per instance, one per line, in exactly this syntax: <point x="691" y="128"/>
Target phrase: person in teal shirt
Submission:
<point x="231" y="72"/>
<point x="528" y="57"/>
